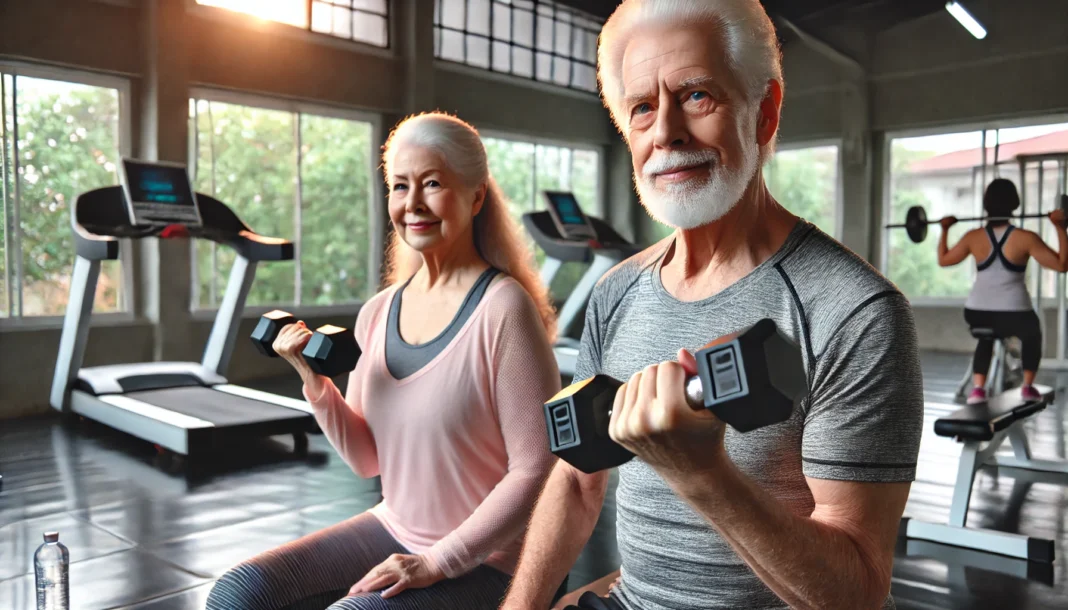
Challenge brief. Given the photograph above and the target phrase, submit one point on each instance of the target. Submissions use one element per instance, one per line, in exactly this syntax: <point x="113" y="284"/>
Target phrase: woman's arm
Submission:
<point x="525" y="375"/>
<point x="341" y="417"/>
<point x="1043" y="254"/>
<point x="948" y="257"/>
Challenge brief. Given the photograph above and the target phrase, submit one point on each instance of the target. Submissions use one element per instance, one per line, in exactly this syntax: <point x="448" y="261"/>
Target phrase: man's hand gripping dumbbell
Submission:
<point x="747" y="380"/>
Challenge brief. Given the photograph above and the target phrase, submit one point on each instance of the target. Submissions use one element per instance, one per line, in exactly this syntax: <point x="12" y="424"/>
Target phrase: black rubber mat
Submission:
<point x="217" y="407"/>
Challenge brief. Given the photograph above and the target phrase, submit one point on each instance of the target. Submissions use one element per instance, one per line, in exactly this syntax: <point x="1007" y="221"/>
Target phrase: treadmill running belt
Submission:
<point x="217" y="407"/>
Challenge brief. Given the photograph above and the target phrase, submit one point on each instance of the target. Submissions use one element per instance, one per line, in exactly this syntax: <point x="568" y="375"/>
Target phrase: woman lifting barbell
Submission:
<point x="999" y="299"/>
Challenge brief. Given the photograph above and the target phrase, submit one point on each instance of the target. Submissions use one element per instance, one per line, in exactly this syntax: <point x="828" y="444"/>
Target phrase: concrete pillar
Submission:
<point x="165" y="279"/>
<point x="415" y="28"/>
<point x="856" y="215"/>
<point x="622" y="209"/>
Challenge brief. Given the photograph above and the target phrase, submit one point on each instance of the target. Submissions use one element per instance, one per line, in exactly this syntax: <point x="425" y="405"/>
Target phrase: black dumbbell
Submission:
<point x="331" y="351"/>
<point x="267" y="329"/>
<point x="750" y="379"/>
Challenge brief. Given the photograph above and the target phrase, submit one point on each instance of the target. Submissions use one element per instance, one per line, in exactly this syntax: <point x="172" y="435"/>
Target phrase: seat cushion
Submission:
<point x="979" y="422"/>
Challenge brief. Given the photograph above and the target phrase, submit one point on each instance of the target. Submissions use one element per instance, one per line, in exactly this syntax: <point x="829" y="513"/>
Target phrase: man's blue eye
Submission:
<point x="698" y="96"/>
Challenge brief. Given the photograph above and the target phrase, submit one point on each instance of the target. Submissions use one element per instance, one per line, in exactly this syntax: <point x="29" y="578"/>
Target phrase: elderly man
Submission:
<point x="802" y="514"/>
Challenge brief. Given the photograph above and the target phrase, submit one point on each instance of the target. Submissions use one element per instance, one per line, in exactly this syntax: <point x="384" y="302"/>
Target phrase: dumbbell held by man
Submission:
<point x="749" y="380"/>
<point x="331" y="350"/>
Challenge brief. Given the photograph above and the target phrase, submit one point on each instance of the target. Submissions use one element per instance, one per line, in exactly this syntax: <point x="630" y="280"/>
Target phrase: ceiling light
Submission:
<point x="965" y="18"/>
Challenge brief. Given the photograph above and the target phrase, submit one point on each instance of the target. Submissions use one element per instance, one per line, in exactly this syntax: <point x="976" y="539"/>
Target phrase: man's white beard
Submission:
<point x="702" y="200"/>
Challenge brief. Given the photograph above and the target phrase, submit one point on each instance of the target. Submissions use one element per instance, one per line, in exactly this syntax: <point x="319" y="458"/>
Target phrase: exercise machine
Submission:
<point x="188" y="408"/>
<point x="982" y="429"/>
<point x="567" y="235"/>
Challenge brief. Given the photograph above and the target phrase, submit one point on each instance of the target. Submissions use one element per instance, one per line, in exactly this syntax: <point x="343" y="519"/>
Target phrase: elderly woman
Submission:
<point x="445" y="404"/>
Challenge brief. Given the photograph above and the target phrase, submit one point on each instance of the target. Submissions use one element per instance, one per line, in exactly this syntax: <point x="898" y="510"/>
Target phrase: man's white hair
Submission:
<point x="748" y="35"/>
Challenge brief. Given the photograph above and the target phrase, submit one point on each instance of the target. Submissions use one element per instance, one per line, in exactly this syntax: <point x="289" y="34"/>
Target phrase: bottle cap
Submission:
<point x="51" y="537"/>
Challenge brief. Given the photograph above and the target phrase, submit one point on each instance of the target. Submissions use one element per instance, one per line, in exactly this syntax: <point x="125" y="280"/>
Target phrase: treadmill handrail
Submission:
<point x="541" y="227"/>
<point x="100" y="216"/>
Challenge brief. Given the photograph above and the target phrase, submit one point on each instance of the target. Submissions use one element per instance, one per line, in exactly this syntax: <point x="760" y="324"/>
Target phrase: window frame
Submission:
<point x="377" y="214"/>
<point x="277" y="28"/>
<point x="602" y="164"/>
<point x="129" y="315"/>
<point x="510" y="76"/>
<point x="839" y="204"/>
<point x="887" y="183"/>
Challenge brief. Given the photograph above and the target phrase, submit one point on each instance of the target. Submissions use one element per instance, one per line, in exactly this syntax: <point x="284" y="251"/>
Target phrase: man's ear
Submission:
<point x="770" y="113"/>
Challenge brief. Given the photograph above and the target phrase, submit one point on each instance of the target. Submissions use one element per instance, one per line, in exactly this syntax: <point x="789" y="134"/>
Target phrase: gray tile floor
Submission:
<point x="141" y="538"/>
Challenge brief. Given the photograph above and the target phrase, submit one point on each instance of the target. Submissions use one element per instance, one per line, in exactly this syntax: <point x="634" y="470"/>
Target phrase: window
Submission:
<point x="535" y="39"/>
<point x="58" y="139"/>
<point x="288" y="173"/>
<point x="361" y="20"/>
<point x="945" y="174"/>
<point x="805" y="181"/>
<point x="524" y="169"/>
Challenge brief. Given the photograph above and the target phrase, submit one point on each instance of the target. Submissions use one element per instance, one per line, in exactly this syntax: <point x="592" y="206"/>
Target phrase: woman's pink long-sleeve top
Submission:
<point x="460" y="444"/>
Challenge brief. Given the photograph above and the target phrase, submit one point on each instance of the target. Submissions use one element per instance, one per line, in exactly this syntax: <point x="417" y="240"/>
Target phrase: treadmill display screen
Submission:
<point x="159" y="194"/>
<point x="567" y="209"/>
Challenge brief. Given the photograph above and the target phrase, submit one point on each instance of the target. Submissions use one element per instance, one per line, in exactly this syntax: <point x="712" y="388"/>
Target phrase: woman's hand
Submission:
<point x="1057" y="217"/>
<point x="401" y="571"/>
<point x="947" y="222"/>
<point x="289" y="344"/>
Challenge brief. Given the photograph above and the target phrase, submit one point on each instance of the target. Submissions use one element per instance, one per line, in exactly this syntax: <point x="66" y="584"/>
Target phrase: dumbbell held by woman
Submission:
<point x="331" y="350"/>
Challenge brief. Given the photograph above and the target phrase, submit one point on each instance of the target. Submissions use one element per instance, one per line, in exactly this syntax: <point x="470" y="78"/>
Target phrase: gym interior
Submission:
<point x="278" y="111"/>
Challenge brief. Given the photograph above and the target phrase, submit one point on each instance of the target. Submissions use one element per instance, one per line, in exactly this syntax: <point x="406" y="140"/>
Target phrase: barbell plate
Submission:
<point x="916" y="224"/>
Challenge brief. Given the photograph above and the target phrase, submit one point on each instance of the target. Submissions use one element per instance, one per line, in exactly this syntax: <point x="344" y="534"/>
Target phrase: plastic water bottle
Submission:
<point x="51" y="565"/>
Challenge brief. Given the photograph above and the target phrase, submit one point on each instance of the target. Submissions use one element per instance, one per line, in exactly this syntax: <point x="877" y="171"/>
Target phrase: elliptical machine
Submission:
<point x="568" y="235"/>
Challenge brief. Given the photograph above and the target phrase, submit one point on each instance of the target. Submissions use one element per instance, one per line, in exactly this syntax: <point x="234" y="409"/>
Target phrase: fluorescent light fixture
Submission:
<point x="965" y="18"/>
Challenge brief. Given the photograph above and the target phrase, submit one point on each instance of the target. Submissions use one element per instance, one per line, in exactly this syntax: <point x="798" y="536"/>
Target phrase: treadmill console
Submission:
<point x="570" y="220"/>
<point x="159" y="193"/>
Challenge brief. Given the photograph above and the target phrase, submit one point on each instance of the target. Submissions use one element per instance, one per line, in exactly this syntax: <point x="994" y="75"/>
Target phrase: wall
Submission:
<point x="168" y="46"/>
<point x="93" y="35"/>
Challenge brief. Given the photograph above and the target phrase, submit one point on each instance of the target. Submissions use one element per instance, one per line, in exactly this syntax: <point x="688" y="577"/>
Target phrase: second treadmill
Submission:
<point x="568" y="235"/>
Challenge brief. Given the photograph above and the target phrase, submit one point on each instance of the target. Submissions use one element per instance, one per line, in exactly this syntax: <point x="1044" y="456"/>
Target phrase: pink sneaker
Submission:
<point x="1028" y="392"/>
<point x="978" y="395"/>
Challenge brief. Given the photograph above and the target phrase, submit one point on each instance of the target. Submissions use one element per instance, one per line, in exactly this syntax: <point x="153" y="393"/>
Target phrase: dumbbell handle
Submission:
<point x="695" y="393"/>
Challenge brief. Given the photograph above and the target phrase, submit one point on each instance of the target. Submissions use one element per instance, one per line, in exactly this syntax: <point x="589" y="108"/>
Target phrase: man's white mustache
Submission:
<point x="677" y="159"/>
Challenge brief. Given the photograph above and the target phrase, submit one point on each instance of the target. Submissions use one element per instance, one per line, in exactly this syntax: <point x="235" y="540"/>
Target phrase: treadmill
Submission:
<point x="568" y="235"/>
<point x="188" y="408"/>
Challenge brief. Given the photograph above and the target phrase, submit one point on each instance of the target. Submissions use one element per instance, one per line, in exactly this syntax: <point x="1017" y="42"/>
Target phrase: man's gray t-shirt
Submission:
<point x="861" y="422"/>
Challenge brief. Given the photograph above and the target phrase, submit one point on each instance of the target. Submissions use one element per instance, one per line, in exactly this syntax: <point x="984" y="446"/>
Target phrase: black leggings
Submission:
<point x="316" y="571"/>
<point x="1023" y="325"/>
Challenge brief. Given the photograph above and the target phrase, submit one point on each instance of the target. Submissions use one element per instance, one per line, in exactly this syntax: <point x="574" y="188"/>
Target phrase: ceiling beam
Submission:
<point x="821" y="47"/>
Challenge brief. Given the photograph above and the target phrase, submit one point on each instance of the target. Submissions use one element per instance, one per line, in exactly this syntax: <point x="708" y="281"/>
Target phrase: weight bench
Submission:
<point x="983" y="428"/>
<point x="998" y="375"/>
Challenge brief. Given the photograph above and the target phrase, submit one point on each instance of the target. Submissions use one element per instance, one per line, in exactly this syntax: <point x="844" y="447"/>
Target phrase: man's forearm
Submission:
<point x="807" y="563"/>
<point x="563" y="520"/>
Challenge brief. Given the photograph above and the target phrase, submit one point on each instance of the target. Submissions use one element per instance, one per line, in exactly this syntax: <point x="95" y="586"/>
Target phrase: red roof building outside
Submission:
<point x="965" y="159"/>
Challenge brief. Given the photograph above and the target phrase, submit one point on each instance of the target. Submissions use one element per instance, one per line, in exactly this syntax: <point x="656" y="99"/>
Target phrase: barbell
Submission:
<point x="916" y="220"/>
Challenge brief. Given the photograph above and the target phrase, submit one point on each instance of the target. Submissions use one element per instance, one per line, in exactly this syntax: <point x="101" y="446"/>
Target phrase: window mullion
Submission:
<point x="16" y="216"/>
<point x="298" y="229"/>
<point x="213" y="287"/>
<point x="534" y="198"/>
<point x="194" y="172"/>
<point x="3" y="190"/>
